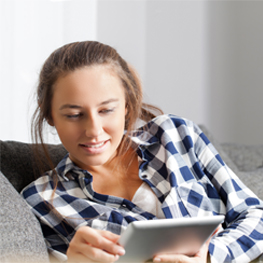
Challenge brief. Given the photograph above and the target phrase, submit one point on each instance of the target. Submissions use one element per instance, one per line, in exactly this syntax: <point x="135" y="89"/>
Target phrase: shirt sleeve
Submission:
<point x="55" y="245"/>
<point x="241" y="239"/>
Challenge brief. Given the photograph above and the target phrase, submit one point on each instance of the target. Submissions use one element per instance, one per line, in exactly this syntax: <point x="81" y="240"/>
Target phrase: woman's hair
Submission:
<point x="73" y="56"/>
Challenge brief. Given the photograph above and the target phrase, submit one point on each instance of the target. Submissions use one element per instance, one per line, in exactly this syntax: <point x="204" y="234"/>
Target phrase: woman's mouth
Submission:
<point x="94" y="148"/>
<point x="97" y="145"/>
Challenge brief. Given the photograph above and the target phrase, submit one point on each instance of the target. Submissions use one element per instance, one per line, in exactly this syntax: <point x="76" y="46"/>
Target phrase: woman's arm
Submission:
<point x="242" y="238"/>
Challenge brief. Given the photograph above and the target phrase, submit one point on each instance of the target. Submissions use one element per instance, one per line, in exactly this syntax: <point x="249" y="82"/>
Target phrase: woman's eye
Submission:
<point x="107" y="110"/>
<point x="73" y="116"/>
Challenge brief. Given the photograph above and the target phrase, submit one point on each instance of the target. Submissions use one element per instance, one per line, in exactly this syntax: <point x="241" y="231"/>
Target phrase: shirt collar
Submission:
<point x="68" y="170"/>
<point x="143" y="138"/>
<point x="141" y="141"/>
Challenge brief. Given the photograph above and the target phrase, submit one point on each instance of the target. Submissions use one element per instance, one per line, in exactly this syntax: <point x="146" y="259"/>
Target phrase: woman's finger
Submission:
<point x="104" y="240"/>
<point x="94" y="246"/>
<point x="172" y="258"/>
<point x="87" y="253"/>
<point x="200" y="257"/>
<point x="109" y="235"/>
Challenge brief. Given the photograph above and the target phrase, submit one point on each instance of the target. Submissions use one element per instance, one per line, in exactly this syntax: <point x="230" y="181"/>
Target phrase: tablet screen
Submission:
<point x="144" y="239"/>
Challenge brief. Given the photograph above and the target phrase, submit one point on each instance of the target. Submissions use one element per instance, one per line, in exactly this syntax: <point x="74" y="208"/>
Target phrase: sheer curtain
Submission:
<point x="30" y="31"/>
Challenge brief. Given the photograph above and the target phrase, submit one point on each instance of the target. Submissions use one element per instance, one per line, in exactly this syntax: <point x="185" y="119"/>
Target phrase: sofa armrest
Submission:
<point x="21" y="238"/>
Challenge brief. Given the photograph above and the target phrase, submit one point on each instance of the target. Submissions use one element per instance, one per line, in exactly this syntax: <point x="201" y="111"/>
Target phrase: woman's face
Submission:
<point x="88" y="112"/>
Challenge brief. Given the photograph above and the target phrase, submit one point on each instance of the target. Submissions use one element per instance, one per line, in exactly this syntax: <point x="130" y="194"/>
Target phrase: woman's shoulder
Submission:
<point x="50" y="180"/>
<point x="37" y="186"/>
<point x="167" y="121"/>
<point x="168" y="127"/>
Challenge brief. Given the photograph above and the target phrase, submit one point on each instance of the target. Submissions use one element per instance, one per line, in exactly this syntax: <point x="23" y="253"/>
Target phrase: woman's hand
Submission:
<point x="200" y="257"/>
<point x="91" y="245"/>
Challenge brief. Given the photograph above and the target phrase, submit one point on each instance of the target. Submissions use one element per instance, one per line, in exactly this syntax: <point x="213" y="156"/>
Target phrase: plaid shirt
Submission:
<point x="185" y="172"/>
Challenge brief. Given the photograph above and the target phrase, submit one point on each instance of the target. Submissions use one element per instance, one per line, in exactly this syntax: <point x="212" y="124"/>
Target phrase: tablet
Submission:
<point x="144" y="239"/>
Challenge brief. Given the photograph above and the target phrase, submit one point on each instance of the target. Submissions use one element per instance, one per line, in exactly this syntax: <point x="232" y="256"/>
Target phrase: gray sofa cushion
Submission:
<point x="18" y="164"/>
<point x="253" y="180"/>
<point x="246" y="157"/>
<point x="21" y="238"/>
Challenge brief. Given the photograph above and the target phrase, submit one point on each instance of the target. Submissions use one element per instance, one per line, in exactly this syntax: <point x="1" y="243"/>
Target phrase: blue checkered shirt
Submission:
<point x="185" y="172"/>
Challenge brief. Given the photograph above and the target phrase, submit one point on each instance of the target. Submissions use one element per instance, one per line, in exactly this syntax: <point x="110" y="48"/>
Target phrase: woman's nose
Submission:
<point x="93" y="127"/>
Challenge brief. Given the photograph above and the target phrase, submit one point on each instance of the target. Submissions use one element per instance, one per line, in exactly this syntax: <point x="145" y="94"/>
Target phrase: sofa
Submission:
<point x="21" y="239"/>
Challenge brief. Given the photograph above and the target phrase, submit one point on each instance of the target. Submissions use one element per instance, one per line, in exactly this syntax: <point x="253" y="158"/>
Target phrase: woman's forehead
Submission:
<point x="96" y="85"/>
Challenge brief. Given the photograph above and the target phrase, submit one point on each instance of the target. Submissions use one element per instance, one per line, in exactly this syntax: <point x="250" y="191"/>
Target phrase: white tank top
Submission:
<point x="148" y="201"/>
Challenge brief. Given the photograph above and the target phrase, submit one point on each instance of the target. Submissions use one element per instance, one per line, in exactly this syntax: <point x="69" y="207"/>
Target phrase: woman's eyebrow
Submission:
<point x="108" y="101"/>
<point x="69" y="106"/>
<point x="73" y="106"/>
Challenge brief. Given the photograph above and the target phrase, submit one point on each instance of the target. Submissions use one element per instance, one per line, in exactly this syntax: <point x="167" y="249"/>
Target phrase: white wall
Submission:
<point x="235" y="70"/>
<point x="122" y="24"/>
<point x="25" y="43"/>
<point x="198" y="59"/>
<point x="30" y="31"/>
<point x="165" y="41"/>
<point x="176" y="57"/>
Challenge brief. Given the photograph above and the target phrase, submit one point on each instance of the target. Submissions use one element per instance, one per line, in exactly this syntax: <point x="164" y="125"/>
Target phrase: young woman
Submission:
<point x="116" y="173"/>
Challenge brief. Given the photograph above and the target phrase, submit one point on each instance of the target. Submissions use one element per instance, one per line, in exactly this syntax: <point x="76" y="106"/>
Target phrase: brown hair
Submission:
<point x="77" y="55"/>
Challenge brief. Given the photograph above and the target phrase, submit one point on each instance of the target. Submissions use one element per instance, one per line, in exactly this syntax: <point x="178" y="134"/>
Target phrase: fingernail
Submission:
<point x="156" y="260"/>
<point x="121" y="252"/>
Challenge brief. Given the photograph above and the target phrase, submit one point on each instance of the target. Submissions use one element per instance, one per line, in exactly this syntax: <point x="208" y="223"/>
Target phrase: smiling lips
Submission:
<point x="94" y="146"/>
<point x="98" y="145"/>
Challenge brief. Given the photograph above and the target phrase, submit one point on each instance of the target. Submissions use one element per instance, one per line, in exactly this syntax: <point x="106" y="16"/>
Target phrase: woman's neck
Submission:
<point x="120" y="177"/>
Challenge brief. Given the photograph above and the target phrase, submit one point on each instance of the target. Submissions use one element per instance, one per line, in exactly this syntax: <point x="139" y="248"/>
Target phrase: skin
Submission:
<point x="200" y="257"/>
<point x="88" y="112"/>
